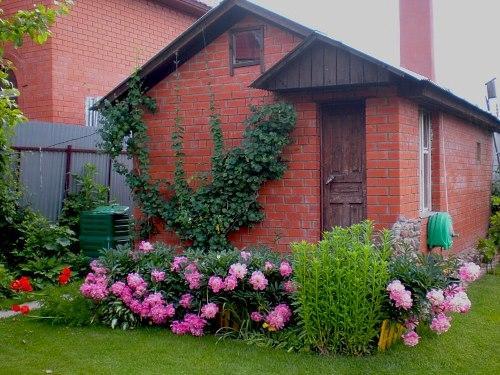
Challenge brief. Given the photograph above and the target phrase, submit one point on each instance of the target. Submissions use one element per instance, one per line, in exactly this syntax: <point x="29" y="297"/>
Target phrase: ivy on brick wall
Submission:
<point x="203" y="216"/>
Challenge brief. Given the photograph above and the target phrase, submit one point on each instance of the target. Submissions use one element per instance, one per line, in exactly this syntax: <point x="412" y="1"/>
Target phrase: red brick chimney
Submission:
<point x="416" y="36"/>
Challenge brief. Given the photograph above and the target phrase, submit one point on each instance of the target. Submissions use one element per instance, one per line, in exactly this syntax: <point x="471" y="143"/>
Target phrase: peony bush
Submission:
<point x="426" y="290"/>
<point x="191" y="293"/>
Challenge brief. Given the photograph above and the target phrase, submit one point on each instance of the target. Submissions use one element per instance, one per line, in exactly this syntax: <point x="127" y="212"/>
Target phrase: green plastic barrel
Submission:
<point x="103" y="228"/>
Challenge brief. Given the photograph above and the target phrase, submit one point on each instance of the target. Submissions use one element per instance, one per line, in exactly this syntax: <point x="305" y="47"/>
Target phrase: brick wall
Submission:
<point x="92" y="49"/>
<point x="292" y="204"/>
<point x="287" y="202"/>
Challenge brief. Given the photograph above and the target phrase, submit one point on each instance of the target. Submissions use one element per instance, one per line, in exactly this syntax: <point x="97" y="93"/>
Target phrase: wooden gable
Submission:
<point x="319" y="64"/>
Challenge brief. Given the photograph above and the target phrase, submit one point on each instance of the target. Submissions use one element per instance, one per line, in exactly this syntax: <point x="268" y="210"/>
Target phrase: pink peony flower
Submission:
<point x="278" y="317"/>
<point x="179" y="327"/>
<point x="98" y="268"/>
<point x="435" y="297"/>
<point x="230" y="283"/>
<point x="453" y="289"/>
<point x="410" y="338"/>
<point x="95" y="287"/>
<point x="209" y="311"/>
<point x="159" y="314"/>
<point x="245" y="255"/>
<point x="268" y="266"/>
<point x="157" y="276"/>
<point x="186" y="300"/>
<point x="440" y="323"/>
<point x="258" y="280"/>
<point x="136" y="307"/>
<point x="137" y="283"/>
<point x="238" y="270"/>
<point x="411" y="323"/>
<point x="289" y="286"/>
<point x="178" y="263"/>
<point x="145" y="247"/>
<point x="459" y="303"/>
<point x="399" y="295"/>
<point x="195" y="323"/>
<point x="216" y="284"/>
<point x="194" y="279"/>
<point x="285" y="269"/>
<point x="469" y="272"/>
<point x="117" y="288"/>
<point x="395" y="286"/>
<point x="256" y="316"/>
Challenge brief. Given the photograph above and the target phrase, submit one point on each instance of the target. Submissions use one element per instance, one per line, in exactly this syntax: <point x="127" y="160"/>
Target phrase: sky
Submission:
<point x="466" y="35"/>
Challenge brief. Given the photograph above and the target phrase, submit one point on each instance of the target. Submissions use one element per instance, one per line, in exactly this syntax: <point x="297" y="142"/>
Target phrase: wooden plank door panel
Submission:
<point x="343" y="165"/>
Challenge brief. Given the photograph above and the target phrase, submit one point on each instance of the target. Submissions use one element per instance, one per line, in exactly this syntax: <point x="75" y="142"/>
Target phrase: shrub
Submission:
<point x="43" y="250"/>
<point x="341" y="282"/>
<point x="65" y="305"/>
<point x="487" y="249"/>
<point x="191" y="293"/>
<point x="427" y="289"/>
<point x="88" y="195"/>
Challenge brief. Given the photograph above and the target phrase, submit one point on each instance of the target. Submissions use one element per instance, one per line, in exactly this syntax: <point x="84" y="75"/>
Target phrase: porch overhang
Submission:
<point x="322" y="63"/>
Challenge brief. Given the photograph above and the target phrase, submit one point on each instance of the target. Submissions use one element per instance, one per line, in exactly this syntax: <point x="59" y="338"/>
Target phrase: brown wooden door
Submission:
<point x="343" y="165"/>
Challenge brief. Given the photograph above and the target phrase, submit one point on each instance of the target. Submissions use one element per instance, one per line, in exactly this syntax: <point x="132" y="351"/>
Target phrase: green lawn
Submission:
<point x="31" y="347"/>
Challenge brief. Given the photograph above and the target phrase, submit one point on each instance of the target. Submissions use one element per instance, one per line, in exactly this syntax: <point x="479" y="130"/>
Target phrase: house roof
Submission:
<point x="410" y="84"/>
<point x="192" y="7"/>
<point x="216" y="21"/>
<point x="207" y="28"/>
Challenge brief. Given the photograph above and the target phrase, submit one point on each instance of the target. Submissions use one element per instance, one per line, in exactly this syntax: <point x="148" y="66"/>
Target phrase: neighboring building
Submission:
<point x="92" y="49"/>
<point x="372" y="140"/>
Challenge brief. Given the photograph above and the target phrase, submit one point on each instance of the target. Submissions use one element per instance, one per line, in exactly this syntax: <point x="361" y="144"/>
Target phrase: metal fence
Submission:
<point x="48" y="154"/>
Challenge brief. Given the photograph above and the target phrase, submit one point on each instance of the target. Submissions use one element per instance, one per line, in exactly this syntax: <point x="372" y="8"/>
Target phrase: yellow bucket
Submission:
<point x="390" y="332"/>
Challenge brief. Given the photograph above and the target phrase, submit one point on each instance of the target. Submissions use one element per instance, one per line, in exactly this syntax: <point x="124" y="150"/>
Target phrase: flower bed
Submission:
<point x="189" y="293"/>
<point x="348" y="295"/>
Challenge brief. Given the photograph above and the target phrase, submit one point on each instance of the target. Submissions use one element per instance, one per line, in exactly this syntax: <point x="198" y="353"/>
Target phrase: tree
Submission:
<point x="34" y="24"/>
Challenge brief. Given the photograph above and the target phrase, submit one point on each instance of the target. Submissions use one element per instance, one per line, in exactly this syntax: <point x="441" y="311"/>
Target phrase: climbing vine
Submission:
<point x="205" y="215"/>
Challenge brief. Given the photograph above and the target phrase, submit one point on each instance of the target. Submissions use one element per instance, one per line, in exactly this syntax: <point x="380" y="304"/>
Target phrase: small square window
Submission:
<point x="246" y="47"/>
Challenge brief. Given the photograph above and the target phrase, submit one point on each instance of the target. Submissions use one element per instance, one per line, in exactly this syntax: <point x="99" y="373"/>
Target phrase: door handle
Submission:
<point x="330" y="179"/>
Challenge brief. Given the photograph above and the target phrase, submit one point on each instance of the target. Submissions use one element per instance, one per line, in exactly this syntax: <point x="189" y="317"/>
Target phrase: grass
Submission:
<point x="28" y="346"/>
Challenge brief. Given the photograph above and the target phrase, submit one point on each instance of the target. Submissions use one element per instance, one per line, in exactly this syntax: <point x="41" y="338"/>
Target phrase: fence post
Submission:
<point x="109" y="178"/>
<point x="67" y="172"/>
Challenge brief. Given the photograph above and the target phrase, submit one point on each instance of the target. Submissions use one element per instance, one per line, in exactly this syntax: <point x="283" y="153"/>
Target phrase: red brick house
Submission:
<point x="372" y="140"/>
<point x="92" y="49"/>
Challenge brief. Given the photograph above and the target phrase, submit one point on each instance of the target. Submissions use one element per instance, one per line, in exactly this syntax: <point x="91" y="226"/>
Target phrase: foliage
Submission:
<point x="65" y="305"/>
<point x="89" y="194"/>
<point x="125" y="281"/>
<point x="204" y="216"/>
<point x="487" y="249"/>
<point x="5" y="281"/>
<point x="340" y="284"/>
<point x="42" y="250"/>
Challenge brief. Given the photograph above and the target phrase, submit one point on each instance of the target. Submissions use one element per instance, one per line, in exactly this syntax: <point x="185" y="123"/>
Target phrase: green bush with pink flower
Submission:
<point x="192" y="293"/>
<point x="428" y="290"/>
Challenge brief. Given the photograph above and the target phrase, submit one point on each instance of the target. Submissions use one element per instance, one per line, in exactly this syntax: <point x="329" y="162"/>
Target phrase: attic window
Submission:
<point x="246" y="47"/>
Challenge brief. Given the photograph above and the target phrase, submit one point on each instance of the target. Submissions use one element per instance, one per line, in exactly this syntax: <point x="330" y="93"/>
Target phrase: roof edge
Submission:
<point x="190" y="7"/>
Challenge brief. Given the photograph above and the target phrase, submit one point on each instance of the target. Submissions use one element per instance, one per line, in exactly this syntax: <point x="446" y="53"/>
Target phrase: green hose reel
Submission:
<point x="440" y="231"/>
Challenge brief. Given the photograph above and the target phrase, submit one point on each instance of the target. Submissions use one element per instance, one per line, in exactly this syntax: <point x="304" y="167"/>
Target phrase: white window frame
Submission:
<point x="425" y="170"/>
<point x="92" y="118"/>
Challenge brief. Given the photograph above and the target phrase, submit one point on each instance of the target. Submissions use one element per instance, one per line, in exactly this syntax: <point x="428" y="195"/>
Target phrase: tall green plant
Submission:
<point x="341" y="288"/>
<point x="88" y="195"/>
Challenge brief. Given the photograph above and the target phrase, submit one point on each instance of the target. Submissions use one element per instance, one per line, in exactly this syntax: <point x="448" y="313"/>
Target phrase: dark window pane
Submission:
<point x="247" y="47"/>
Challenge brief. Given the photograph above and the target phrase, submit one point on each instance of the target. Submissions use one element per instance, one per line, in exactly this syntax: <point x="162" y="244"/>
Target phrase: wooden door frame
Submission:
<point x="320" y="105"/>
